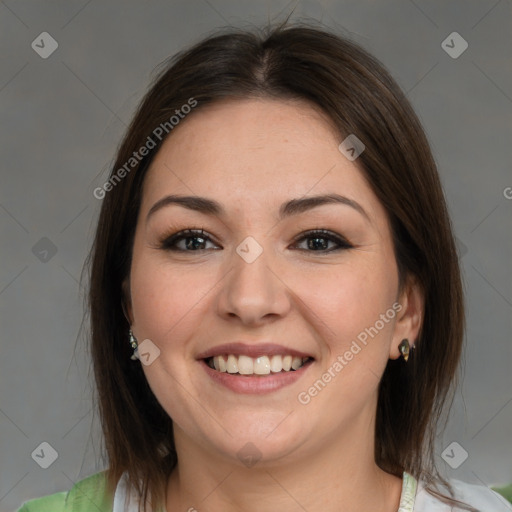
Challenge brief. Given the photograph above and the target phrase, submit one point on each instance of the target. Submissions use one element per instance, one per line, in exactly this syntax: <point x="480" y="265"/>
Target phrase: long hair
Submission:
<point x="356" y="92"/>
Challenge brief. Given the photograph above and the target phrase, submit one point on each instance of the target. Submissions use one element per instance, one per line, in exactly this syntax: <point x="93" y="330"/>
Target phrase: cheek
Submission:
<point x="350" y="297"/>
<point x="163" y="298"/>
<point x="167" y="309"/>
<point x="350" y="307"/>
<point x="152" y="301"/>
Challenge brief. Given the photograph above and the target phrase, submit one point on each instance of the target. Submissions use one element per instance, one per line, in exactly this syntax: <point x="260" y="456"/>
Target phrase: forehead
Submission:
<point x="262" y="150"/>
<point x="251" y="125"/>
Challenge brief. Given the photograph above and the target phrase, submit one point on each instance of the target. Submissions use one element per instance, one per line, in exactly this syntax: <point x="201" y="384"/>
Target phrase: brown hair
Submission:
<point x="360" y="97"/>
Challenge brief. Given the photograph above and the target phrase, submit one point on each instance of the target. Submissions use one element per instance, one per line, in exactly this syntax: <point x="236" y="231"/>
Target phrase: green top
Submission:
<point x="86" y="495"/>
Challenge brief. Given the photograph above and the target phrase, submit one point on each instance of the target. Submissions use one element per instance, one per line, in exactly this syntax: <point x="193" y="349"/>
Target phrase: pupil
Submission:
<point x="194" y="245"/>
<point x="315" y="245"/>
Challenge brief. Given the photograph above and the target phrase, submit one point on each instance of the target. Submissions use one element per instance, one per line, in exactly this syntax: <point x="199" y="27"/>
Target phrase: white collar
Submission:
<point x="125" y="501"/>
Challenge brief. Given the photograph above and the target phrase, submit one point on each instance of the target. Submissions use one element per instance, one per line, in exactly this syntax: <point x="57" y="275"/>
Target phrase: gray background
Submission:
<point x="62" y="118"/>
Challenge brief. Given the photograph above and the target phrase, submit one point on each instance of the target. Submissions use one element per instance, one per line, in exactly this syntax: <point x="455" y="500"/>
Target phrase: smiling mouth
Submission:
<point x="263" y="365"/>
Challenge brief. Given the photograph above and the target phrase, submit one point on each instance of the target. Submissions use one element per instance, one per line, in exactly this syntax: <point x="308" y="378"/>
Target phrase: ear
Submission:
<point x="126" y="300"/>
<point x="410" y="316"/>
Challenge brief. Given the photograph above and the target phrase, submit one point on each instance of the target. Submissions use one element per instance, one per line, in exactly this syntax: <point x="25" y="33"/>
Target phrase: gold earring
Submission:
<point x="405" y="348"/>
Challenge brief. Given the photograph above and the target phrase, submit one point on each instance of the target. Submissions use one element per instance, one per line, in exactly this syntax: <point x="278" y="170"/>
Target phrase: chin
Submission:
<point x="264" y="442"/>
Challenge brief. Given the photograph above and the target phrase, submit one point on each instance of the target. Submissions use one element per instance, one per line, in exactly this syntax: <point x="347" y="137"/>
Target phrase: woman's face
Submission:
<point x="258" y="291"/>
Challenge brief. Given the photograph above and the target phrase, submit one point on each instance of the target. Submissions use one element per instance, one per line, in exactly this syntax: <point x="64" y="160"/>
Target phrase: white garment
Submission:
<point x="414" y="497"/>
<point x="480" y="497"/>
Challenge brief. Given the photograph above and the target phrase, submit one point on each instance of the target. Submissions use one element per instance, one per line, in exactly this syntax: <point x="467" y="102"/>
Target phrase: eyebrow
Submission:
<point x="293" y="207"/>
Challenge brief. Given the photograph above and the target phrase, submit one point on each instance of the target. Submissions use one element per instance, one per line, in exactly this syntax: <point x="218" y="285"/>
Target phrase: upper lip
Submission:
<point x="251" y="350"/>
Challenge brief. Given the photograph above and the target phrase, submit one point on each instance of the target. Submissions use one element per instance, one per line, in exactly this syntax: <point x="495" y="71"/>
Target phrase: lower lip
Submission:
<point x="256" y="384"/>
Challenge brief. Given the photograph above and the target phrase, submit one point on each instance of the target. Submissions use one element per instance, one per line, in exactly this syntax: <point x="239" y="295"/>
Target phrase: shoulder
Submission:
<point x="51" y="503"/>
<point x="87" y="494"/>
<point x="480" y="497"/>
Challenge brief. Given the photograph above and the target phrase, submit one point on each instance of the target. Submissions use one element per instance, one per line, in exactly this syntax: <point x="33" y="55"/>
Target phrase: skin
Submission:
<point x="251" y="156"/>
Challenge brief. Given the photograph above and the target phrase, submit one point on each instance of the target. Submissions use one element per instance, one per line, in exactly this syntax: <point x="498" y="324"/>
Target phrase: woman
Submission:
<point x="276" y="305"/>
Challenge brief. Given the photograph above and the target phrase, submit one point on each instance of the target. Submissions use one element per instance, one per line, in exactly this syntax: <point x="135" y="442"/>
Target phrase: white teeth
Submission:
<point x="296" y="363"/>
<point x="222" y="364"/>
<point x="232" y="364"/>
<point x="276" y="364"/>
<point x="245" y="365"/>
<point x="263" y="365"/>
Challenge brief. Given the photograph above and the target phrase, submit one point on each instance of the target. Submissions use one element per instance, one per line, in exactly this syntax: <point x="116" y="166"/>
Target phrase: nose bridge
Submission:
<point x="251" y="290"/>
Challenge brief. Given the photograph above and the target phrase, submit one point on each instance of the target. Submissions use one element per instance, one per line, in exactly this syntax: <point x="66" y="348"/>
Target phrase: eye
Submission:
<point x="318" y="241"/>
<point x="194" y="240"/>
<point x="188" y="240"/>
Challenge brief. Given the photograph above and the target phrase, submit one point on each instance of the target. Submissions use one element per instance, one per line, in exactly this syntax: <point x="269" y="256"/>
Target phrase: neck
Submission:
<point x="340" y="476"/>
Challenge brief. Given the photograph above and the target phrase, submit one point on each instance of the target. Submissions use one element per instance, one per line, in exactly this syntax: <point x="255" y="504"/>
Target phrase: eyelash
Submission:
<point x="169" y="243"/>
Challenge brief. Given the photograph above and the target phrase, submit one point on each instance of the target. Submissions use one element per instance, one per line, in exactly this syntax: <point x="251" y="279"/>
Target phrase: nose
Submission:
<point x="252" y="290"/>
